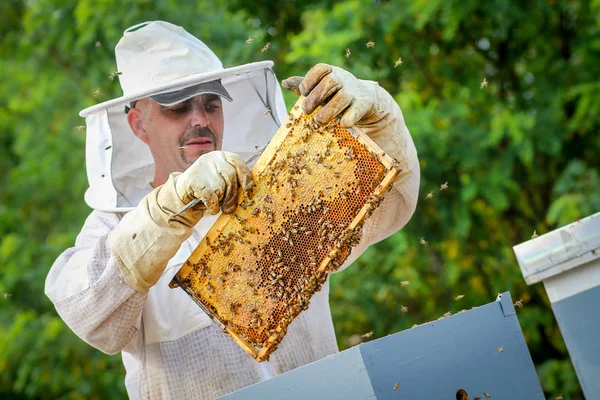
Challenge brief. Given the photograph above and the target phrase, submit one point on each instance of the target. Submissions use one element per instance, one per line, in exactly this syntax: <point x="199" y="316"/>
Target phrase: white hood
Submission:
<point x="120" y="166"/>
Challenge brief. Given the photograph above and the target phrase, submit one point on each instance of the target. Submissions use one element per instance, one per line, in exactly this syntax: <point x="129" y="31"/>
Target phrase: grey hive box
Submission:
<point x="431" y="361"/>
<point x="567" y="260"/>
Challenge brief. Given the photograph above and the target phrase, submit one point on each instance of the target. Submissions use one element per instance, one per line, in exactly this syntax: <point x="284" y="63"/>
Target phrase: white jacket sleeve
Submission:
<point x="86" y="288"/>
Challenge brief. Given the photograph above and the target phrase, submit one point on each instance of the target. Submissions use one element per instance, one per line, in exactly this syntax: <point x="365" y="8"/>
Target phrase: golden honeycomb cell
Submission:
<point x="258" y="268"/>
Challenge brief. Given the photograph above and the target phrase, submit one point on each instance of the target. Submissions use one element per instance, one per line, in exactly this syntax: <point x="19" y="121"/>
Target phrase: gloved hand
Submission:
<point x="213" y="179"/>
<point x="147" y="237"/>
<point x="357" y="103"/>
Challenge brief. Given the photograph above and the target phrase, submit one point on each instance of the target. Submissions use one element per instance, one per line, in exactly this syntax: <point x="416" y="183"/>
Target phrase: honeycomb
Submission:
<point x="258" y="268"/>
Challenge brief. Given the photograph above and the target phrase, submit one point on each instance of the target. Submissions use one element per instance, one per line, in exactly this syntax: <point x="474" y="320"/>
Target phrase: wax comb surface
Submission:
<point x="258" y="268"/>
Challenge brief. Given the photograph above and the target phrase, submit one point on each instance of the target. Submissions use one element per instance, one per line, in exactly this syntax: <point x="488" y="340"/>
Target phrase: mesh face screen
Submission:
<point x="257" y="269"/>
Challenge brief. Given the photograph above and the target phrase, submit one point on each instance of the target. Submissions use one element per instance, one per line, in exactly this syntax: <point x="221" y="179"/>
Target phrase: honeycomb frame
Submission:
<point x="257" y="268"/>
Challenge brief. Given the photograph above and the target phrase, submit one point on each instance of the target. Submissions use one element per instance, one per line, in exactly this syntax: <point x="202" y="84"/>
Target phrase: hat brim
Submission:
<point x="177" y="85"/>
<point x="179" y="96"/>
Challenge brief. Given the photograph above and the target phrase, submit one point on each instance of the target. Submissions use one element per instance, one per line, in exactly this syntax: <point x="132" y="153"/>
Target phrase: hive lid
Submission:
<point x="560" y="250"/>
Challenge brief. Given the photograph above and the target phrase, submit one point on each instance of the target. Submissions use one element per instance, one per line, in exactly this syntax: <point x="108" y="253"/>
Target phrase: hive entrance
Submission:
<point x="257" y="269"/>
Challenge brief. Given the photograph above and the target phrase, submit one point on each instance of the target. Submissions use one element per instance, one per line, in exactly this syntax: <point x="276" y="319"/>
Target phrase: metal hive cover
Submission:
<point x="258" y="268"/>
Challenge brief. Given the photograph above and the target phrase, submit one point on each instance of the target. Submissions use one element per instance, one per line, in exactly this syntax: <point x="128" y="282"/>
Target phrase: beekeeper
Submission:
<point x="182" y="130"/>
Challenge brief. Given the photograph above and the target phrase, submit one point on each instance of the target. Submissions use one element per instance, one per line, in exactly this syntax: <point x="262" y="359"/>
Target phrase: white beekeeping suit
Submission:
<point x="170" y="348"/>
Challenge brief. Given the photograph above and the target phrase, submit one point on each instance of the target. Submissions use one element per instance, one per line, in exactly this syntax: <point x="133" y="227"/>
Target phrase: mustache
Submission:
<point x="198" y="132"/>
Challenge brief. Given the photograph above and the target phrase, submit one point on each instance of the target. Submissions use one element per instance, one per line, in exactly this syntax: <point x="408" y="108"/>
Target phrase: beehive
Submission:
<point x="258" y="268"/>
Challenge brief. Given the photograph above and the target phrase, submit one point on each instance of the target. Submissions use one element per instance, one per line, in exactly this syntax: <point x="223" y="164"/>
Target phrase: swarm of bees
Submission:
<point x="259" y="267"/>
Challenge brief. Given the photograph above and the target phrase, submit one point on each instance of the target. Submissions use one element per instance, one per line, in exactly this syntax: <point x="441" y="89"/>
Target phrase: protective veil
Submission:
<point x="170" y="348"/>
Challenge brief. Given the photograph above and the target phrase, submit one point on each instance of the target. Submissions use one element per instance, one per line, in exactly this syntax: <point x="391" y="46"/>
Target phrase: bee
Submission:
<point x="266" y="48"/>
<point x="460" y="296"/>
<point x="249" y="40"/>
<point x="97" y="92"/>
<point x="398" y="62"/>
<point x="444" y="186"/>
<point x="267" y="111"/>
<point x="396" y="386"/>
<point x="500" y="349"/>
<point x="80" y="128"/>
<point x="449" y="313"/>
<point x="210" y="288"/>
<point x="484" y="83"/>
<point x="98" y="44"/>
<point x="487" y="395"/>
<point x="7" y="295"/>
<point x="534" y="234"/>
<point x="430" y="195"/>
<point x="134" y="236"/>
<point x="404" y="283"/>
<point x="113" y="74"/>
<point x="370" y="44"/>
<point x="368" y="334"/>
<point x="423" y="241"/>
<point x="348" y="53"/>
<point x="404" y="309"/>
<point x="519" y="303"/>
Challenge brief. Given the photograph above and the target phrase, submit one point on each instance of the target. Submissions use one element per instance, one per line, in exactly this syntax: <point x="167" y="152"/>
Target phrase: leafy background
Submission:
<point x="520" y="155"/>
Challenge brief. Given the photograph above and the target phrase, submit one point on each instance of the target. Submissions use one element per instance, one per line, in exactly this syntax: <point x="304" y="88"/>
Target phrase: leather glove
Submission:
<point x="214" y="179"/>
<point x="357" y="103"/>
<point x="147" y="237"/>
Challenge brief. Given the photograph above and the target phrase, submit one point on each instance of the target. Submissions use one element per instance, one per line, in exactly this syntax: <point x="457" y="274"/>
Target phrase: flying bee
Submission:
<point x="249" y="40"/>
<point x="500" y="349"/>
<point x="368" y="334"/>
<point x="396" y="386"/>
<point x="97" y="92"/>
<point x="460" y="296"/>
<point x="113" y="74"/>
<point x="519" y="303"/>
<point x="266" y="47"/>
<point x="267" y="111"/>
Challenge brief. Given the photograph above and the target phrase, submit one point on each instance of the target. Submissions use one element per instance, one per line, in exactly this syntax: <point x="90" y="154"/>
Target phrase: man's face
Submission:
<point x="177" y="135"/>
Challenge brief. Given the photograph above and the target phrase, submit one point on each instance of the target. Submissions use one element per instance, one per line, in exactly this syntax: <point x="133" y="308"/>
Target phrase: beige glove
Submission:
<point x="147" y="237"/>
<point x="357" y="103"/>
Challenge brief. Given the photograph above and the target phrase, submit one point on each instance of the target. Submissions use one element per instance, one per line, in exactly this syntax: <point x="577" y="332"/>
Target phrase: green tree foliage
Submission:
<point x="520" y="154"/>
